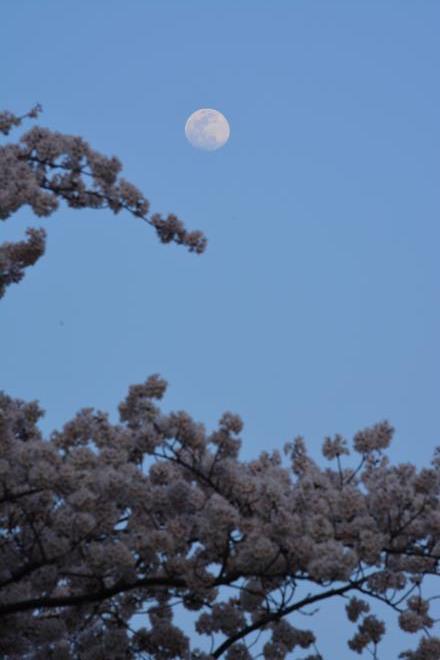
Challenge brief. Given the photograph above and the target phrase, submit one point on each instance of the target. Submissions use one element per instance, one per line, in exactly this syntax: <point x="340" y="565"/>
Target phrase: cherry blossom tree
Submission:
<point x="100" y="522"/>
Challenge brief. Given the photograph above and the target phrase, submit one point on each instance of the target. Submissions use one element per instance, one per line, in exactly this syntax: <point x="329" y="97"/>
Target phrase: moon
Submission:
<point x="207" y="129"/>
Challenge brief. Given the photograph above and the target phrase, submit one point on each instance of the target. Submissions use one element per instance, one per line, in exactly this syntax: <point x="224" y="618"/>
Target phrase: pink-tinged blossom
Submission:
<point x="334" y="447"/>
<point x="376" y="438"/>
<point x="15" y="257"/>
<point x="428" y="649"/>
<point x="416" y="617"/>
<point x="370" y="630"/>
<point x="238" y="652"/>
<point x="355" y="607"/>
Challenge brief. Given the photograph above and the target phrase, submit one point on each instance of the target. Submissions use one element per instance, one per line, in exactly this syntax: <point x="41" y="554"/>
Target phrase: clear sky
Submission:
<point x="315" y="308"/>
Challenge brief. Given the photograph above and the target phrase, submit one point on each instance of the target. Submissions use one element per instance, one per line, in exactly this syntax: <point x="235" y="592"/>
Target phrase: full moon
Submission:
<point x="207" y="129"/>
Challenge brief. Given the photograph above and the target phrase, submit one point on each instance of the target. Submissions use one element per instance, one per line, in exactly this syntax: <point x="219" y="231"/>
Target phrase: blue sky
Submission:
<point x="315" y="307"/>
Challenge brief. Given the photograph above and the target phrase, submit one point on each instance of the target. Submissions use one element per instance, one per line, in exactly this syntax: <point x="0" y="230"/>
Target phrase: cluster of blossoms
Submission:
<point x="45" y="167"/>
<point x="15" y="257"/>
<point x="102" y="521"/>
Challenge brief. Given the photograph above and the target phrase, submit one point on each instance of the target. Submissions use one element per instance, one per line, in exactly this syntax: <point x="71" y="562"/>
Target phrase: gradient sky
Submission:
<point x="315" y="308"/>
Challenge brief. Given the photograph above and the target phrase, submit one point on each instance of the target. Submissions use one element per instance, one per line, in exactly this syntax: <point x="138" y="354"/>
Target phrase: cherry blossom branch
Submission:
<point x="275" y="616"/>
